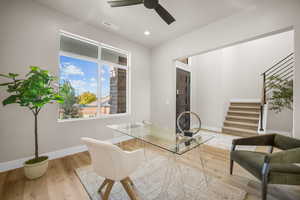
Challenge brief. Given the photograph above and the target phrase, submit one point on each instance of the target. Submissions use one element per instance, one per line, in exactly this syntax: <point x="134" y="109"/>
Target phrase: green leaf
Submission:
<point x="10" y="100"/>
<point x="12" y="75"/>
<point x="4" y="75"/>
<point x="281" y="93"/>
<point x="4" y="84"/>
<point x="34" y="68"/>
<point x="33" y="92"/>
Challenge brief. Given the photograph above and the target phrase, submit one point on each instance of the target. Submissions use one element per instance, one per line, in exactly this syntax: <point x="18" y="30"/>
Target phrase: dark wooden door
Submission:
<point x="183" y="93"/>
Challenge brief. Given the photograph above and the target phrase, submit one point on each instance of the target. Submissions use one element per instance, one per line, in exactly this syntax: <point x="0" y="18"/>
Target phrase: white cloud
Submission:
<point x="102" y="79"/>
<point x="93" y="84"/>
<point x="77" y="83"/>
<point x="69" y="69"/>
<point x="93" y="79"/>
<point x="79" y="86"/>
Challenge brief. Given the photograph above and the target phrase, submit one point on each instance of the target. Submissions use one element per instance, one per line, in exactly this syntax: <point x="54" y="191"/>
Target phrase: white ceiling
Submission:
<point x="134" y="20"/>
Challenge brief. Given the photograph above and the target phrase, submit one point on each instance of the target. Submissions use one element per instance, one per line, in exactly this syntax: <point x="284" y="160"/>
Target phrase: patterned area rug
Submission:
<point x="179" y="181"/>
<point x="224" y="141"/>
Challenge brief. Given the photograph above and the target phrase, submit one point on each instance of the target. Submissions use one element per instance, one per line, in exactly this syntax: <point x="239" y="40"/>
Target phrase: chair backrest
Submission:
<point x="106" y="158"/>
<point x="284" y="143"/>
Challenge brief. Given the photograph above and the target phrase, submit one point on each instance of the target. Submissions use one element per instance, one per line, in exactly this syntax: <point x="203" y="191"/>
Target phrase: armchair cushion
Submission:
<point x="285" y="143"/>
<point x="261" y="140"/>
<point x="287" y="173"/>
<point x="284" y="178"/>
<point x="285" y="168"/>
<point x="280" y="141"/>
<point x="287" y="156"/>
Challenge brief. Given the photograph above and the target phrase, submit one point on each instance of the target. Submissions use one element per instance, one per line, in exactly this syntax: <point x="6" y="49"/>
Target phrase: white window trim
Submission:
<point x="100" y="62"/>
<point x="78" y="37"/>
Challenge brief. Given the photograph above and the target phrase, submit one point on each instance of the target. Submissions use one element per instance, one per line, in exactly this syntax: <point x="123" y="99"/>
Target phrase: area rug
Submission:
<point x="179" y="181"/>
<point x="224" y="141"/>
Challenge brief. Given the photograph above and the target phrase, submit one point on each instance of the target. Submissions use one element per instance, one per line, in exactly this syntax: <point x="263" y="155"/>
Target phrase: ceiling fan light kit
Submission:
<point x="150" y="4"/>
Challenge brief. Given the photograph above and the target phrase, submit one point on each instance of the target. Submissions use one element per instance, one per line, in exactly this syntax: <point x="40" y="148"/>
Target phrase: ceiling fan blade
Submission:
<point x="121" y="3"/>
<point x="164" y="14"/>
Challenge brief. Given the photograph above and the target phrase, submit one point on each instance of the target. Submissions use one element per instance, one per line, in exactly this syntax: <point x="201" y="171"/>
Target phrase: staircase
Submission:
<point x="242" y="119"/>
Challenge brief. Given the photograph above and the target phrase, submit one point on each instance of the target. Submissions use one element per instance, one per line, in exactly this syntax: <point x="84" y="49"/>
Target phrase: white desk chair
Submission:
<point x="114" y="164"/>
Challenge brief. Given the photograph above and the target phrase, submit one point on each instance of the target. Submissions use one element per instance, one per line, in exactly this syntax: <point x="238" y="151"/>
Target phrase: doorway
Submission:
<point x="183" y="97"/>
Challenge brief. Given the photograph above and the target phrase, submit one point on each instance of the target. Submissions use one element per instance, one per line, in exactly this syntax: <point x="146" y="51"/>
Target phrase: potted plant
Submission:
<point x="281" y="93"/>
<point x="33" y="92"/>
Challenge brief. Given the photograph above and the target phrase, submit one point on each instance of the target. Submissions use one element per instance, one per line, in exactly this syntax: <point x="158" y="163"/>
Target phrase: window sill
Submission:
<point x="95" y="118"/>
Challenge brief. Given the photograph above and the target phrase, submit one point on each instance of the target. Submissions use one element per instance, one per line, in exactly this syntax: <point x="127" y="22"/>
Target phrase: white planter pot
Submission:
<point x="36" y="170"/>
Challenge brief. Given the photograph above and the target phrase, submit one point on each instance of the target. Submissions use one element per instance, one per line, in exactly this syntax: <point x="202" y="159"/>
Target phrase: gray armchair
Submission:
<point x="277" y="168"/>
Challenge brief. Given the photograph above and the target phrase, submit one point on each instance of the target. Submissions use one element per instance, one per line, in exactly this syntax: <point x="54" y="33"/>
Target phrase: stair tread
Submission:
<point x="247" y="102"/>
<point x="243" y="112"/>
<point x="240" y="130"/>
<point x="241" y="117"/>
<point x="241" y="134"/>
<point x="254" y="107"/>
<point x="241" y="123"/>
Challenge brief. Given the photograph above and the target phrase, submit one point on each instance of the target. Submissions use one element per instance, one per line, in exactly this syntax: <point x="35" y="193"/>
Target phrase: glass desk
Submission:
<point x="176" y="145"/>
<point x="162" y="138"/>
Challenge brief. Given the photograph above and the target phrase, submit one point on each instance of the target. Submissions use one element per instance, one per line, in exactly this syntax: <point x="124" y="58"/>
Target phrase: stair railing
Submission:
<point x="284" y="69"/>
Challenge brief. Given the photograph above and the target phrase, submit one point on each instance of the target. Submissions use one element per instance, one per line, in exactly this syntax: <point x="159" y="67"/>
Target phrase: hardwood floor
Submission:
<point x="61" y="182"/>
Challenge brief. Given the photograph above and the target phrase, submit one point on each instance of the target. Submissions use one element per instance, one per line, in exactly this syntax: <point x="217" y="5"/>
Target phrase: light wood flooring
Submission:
<point x="61" y="182"/>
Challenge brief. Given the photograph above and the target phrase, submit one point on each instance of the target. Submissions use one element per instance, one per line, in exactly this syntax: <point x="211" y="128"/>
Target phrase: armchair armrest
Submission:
<point x="262" y="140"/>
<point x="284" y="157"/>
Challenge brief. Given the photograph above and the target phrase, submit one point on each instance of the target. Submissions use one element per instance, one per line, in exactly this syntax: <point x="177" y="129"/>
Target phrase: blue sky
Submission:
<point x="83" y="75"/>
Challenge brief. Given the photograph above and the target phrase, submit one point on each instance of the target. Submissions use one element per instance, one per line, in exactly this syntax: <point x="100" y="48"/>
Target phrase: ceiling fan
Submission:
<point x="150" y="4"/>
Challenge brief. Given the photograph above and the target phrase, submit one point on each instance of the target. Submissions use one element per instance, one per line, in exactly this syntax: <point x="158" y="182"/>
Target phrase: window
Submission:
<point x="93" y="79"/>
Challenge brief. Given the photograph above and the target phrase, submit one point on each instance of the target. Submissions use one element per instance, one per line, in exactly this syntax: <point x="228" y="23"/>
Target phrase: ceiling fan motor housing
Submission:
<point x="151" y="4"/>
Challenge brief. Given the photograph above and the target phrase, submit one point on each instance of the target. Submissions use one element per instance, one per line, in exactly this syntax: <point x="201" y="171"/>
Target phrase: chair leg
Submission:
<point x="264" y="183"/>
<point x="128" y="189"/>
<point x="108" y="189"/>
<point x="105" y="182"/>
<point x="130" y="181"/>
<point x="231" y="167"/>
<point x="264" y="191"/>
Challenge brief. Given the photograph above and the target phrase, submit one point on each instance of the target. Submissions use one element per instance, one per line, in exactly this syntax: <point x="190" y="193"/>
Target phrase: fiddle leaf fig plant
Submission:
<point x="281" y="94"/>
<point x="33" y="92"/>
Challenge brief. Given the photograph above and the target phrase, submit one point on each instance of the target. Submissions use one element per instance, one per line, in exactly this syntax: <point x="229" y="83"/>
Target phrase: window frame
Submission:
<point x="100" y="63"/>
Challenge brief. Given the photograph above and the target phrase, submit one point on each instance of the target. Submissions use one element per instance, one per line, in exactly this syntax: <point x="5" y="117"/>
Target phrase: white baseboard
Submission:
<point x="14" y="164"/>
<point x="212" y="128"/>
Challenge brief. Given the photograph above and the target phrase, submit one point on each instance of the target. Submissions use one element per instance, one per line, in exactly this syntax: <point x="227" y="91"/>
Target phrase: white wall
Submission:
<point x="29" y="36"/>
<point x="235" y="73"/>
<point x="269" y="17"/>
<point x="207" y="98"/>
<point x="280" y="122"/>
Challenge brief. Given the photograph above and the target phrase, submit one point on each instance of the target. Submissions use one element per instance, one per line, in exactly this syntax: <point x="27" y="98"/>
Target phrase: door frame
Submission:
<point x="187" y="68"/>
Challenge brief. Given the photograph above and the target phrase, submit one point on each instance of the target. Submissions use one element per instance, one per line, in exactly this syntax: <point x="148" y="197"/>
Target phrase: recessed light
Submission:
<point x="147" y="32"/>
